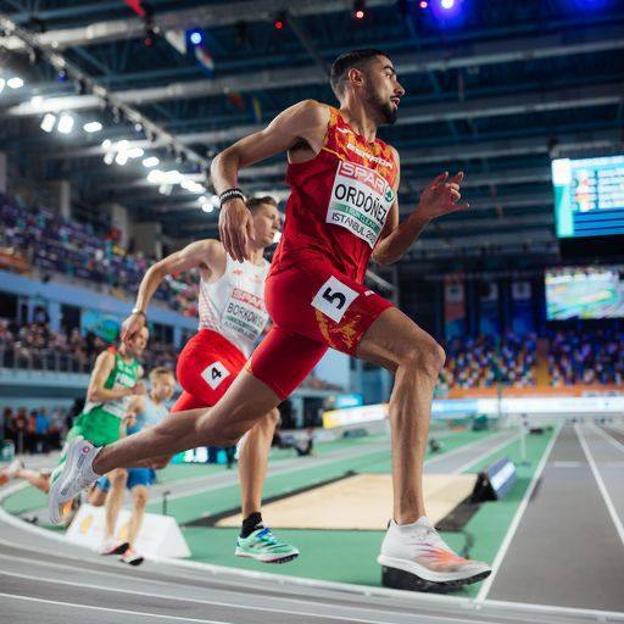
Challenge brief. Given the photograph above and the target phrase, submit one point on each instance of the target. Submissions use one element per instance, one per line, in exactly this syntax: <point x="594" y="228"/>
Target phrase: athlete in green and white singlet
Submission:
<point x="114" y="380"/>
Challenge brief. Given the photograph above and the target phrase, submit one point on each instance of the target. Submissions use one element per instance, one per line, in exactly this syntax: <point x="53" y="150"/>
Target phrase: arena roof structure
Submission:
<point x="494" y="88"/>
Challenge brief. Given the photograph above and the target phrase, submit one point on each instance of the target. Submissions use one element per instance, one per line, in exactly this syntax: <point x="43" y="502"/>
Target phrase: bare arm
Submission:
<point x="208" y="255"/>
<point x="96" y="392"/>
<point x="440" y="197"/>
<point x="134" y="409"/>
<point x="305" y="121"/>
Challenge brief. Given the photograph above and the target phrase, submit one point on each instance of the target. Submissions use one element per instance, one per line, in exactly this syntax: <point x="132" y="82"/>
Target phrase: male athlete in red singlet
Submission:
<point x="342" y="210"/>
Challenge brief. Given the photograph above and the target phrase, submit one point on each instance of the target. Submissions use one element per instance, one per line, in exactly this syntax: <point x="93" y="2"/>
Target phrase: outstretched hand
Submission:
<point x="441" y="196"/>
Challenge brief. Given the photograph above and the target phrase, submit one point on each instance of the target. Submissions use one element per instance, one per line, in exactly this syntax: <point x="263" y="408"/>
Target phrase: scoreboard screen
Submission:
<point x="589" y="196"/>
<point x="584" y="293"/>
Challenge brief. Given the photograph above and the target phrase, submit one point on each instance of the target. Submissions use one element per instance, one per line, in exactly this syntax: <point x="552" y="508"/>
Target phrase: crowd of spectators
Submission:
<point x="39" y="238"/>
<point x="35" y="346"/>
<point x="590" y="357"/>
<point x="35" y="431"/>
<point x="486" y="361"/>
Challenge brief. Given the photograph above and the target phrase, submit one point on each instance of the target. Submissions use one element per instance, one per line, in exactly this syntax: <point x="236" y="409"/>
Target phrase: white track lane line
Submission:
<point x="324" y="461"/>
<point x="82" y="607"/>
<point x="485" y="454"/>
<point x="608" y="438"/>
<point x="515" y="523"/>
<point x="601" y="485"/>
<point x="214" y="603"/>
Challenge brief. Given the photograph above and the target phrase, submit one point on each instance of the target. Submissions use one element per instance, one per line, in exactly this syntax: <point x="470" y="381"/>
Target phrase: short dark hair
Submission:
<point x="347" y="60"/>
<point x="253" y="203"/>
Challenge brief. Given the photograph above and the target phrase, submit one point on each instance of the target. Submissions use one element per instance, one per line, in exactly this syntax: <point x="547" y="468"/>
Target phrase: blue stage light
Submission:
<point x="196" y="37"/>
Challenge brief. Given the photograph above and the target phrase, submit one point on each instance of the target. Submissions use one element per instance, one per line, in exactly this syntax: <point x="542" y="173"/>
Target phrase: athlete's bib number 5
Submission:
<point x="214" y="374"/>
<point x="334" y="298"/>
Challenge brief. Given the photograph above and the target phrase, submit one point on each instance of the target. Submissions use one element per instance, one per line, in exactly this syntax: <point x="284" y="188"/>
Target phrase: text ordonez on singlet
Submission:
<point x="245" y="314"/>
<point x="360" y="201"/>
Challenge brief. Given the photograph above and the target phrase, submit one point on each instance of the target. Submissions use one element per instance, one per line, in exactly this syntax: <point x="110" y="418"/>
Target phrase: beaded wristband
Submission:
<point x="232" y="193"/>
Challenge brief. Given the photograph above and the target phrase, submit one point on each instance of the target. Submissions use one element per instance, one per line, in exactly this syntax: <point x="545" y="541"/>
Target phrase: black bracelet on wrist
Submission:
<point x="137" y="311"/>
<point x="233" y="193"/>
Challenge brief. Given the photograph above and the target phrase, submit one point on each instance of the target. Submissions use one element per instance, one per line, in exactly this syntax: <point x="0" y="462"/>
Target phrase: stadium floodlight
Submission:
<point x="165" y="189"/>
<point x="448" y="4"/>
<point x="135" y="152"/>
<point x="2" y="84"/>
<point x="191" y="186"/>
<point x="36" y="99"/>
<point x="15" y="83"/>
<point x="150" y="162"/>
<point x="92" y="126"/>
<point x="65" y="124"/>
<point x="121" y="158"/>
<point x="109" y="157"/>
<point x="48" y="122"/>
<point x="107" y="144"/>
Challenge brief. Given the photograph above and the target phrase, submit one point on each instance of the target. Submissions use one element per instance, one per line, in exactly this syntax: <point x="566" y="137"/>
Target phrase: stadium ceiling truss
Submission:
<point x="497" y="101"/>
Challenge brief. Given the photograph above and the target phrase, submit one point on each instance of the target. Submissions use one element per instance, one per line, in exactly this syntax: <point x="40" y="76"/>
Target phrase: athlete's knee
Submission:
<point x="97" y="497"/>
<point x="424" y="355"/>
<point x="118" y="477"/>
<point x="272" y="418"/>
<point x="140" y="496"/>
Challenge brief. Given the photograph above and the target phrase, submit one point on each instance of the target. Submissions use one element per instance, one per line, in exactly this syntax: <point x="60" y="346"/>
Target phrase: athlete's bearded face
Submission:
<point x="266" y="224"/>
<point x="383" y="91"/>
<point x="136" y="345"/>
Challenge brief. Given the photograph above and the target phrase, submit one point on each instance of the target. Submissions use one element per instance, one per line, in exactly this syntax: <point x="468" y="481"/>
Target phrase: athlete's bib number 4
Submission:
<point x="214" y="374"/>
<point x="334" y="298"/>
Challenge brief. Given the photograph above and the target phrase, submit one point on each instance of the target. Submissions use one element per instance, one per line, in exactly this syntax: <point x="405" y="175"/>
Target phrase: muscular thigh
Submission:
<point x="394" y="338"/>
<point x="323" y="305"/>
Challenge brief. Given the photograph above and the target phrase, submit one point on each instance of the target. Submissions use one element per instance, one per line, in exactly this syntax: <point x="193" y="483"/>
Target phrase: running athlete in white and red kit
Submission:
<point x="232" y="317"/>
<point x="342" y="210"/>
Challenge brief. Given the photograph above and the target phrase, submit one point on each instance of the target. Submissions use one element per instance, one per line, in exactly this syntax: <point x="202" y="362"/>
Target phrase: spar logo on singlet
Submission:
<point x="245" y="314"/>
<point x="360" y="201"/>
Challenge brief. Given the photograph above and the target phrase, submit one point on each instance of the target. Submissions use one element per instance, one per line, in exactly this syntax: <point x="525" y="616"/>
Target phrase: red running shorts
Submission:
<point x="312" y="309"/>
<point x="206" y="368"/>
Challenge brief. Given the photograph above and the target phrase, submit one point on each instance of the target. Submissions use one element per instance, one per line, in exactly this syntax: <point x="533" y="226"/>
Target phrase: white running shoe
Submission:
<point x="13" y="468"/>
<point x="72" y="475"/>
<point x="8" y="472"/>
<point x="132" y="557"/>
<point x="418" y="549"/>
<point x="111" y="546"/>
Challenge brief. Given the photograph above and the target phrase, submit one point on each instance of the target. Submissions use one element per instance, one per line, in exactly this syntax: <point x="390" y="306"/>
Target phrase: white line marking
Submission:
<point x="601" y="485"/>
<point x="463" y="448"/>
<point x="600" y="616"/>
<point x="215" y="603"/>
<point x="237" y="575"/>
<point x="323" y="461"/>
<point x="479" y="458"/>
<point x="567" y="464"/>
<point x="608" y="438"/>
<point x="109" y="610"/>
<point x="515" y="523"/>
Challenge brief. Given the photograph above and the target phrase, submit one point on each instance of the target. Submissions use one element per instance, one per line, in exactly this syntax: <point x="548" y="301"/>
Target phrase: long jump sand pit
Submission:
<point x="358" y="502"/>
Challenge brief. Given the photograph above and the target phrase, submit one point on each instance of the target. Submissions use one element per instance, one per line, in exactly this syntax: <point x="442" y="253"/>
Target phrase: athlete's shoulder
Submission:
<point x="311" y="111"/>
